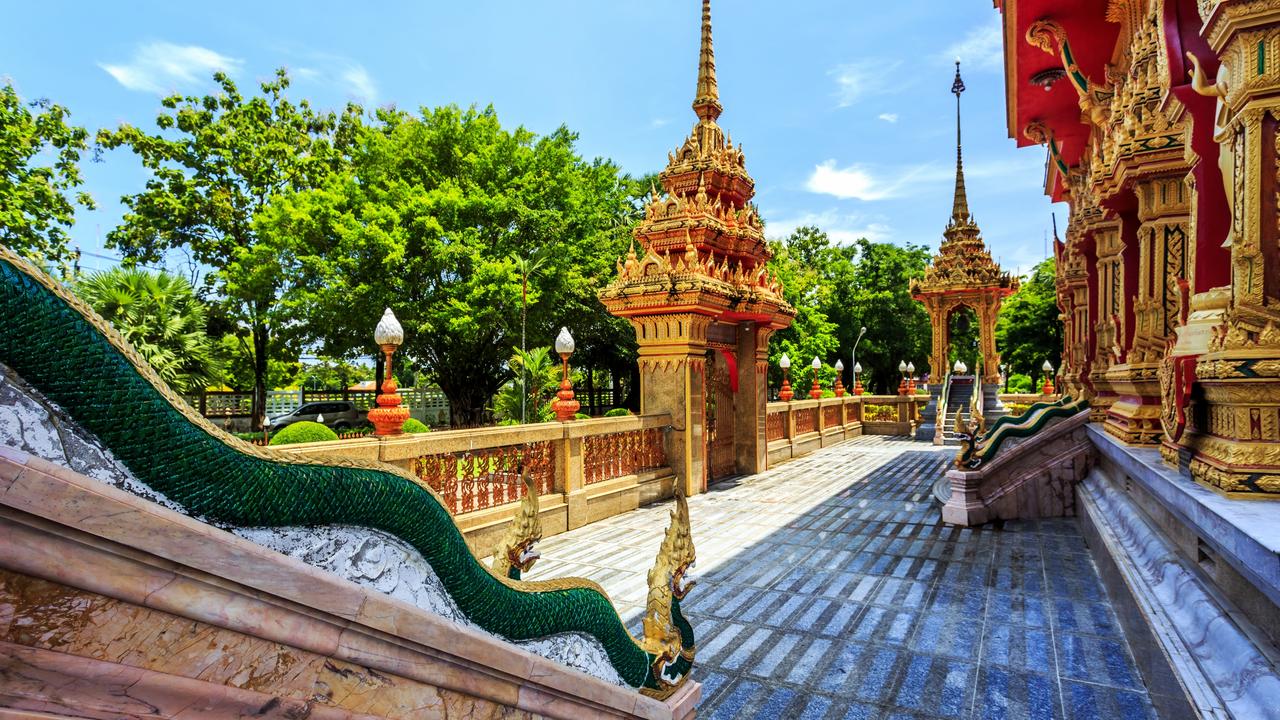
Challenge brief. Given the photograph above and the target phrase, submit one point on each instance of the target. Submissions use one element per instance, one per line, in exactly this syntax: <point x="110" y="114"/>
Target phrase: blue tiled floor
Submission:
<point x="832" y="590"/>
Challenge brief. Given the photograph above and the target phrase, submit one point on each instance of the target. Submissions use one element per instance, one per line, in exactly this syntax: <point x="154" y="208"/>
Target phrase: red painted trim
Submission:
<point x="733" y="367"/>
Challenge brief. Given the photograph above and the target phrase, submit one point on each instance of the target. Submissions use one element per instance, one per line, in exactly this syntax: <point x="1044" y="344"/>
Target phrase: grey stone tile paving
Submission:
<point x="830" y="589"/>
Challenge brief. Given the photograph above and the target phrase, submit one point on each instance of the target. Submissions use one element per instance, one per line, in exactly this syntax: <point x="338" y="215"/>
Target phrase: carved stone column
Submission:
<point x="1235" y="435"/>
<point x="1110" y="294"/>
<point x="673" y="379"/>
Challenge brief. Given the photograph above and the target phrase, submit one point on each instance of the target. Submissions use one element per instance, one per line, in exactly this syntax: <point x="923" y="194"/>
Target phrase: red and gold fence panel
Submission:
<point x="806" y="420"/>
<point x="775" y="428"/>
<point x="615" y="455"/>
<point x="486" y="478"/>
<point x="831" y="417"/>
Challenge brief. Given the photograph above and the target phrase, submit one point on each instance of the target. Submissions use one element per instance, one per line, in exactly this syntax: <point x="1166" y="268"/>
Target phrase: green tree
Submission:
<point x="838" y="289"/>
<point x="1028" y="331"/>
<point x="804" y="262"/>
<point x="429" y="220"/>
<point x="216" y="162"/>
<point x="876" y="294"/>
<point x="527" y="396"/>
<point x="238" y="363"/>
<point x="160" y="315"/>
<point x="332" y="374"/>
<point x="37" y="200"/>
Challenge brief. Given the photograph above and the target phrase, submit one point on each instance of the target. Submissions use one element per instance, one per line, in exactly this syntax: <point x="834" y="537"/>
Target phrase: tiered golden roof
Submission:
<point x="963" y="261"/>
<point x="702" y="245"/>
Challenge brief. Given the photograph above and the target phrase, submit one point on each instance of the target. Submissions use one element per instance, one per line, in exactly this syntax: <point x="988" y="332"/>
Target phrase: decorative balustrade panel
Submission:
<point x="775" y="426"/>
<point x="615" y="455"/>
<point x="806" y="420"/>
<point x="879" y="413"/>
<point x="831" y="417"/>
<point x="486" y="478"/>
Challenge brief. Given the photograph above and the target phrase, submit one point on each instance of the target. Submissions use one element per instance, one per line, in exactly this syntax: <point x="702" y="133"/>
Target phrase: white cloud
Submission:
<point x="888" y="117"/>
<point x="358" y="83"/>
<point x="659" y="122"/>
<point x="842" y="228"/>
<point x="857" y="182"/>
<point x="162" y="67"/>
<point x="982" y="47"/>
<point x="854" y="182"/>
<point x="344" y="74"/>
<point x="864" y="78"/>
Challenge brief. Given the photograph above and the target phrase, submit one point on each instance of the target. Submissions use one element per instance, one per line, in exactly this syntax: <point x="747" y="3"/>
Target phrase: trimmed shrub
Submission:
<point x="414" y="426"/>
<point x="303" y="432"/>
<point x="618" y="412"/>
<point x="582" y="416"/>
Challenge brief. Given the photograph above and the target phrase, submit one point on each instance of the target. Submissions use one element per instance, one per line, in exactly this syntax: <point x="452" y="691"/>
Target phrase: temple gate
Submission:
<point x="963" y="275"/>
<point x="701" y="298"/>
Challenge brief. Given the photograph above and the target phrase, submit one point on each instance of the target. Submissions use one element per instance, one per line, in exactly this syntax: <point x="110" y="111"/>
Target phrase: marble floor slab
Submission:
<point x="831" y="590"/>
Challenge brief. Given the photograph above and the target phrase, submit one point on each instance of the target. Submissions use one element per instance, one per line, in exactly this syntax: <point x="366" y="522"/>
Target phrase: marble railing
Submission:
<point x="801" y="426"/>
<point x="583" y="470"/>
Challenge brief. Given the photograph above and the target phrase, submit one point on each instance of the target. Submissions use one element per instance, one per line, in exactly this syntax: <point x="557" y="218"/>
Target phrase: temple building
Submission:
<point x="1160" y="121"/>
<point x="701" y="297"/>
<point x="962" y="276"/>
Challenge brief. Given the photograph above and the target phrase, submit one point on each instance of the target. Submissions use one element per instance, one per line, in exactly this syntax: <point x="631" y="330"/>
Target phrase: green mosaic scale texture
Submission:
<point x="973" y="455"/>
<point x="54" y="348"/>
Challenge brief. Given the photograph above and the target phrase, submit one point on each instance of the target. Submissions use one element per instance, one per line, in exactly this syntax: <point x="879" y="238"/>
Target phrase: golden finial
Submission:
<point x="960" y="206"/>
<point x="706" y="103"/>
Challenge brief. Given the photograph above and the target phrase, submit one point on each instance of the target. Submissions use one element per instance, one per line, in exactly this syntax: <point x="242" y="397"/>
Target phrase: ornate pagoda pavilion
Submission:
<point x="963" y="275"/>
<point x="701" y="298"/>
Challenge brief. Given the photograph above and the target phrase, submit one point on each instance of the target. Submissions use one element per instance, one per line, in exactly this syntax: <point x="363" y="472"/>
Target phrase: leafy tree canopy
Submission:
<point x="838" y="289"/>
<point x="216" y="162"/>
<point x="38" y="200"/>
<point x="429" y="218"/>
<point x="1029" y="331"/>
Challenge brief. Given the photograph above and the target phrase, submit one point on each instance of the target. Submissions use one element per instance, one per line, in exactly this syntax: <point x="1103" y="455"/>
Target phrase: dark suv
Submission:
<point x="338" y="414"/>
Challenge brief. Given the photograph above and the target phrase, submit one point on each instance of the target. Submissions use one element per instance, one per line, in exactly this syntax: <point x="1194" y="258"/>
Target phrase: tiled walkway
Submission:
<point x="830" y="589"/>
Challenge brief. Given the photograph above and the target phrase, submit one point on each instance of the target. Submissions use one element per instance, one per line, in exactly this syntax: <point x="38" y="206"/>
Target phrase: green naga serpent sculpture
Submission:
<point x="977" y="449"/>
<point x="63" y="349"/>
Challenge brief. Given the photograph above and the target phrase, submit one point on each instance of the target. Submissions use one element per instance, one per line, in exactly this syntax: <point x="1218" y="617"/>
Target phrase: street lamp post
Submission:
<point x="857" y="382"/>
<point x="902" y="370"/>
<point x="815" y="392"/>
<point x="911" y="378"/>
<point x="388" y="418"/>
<point x="785" y="393"/>
<point x="566" y="406"/>
<point x="853" y="356"/>
<point x="839" y="382"/>
<point x="1048" y="378"/>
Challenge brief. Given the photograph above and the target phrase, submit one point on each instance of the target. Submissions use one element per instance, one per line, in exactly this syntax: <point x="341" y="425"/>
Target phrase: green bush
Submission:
<point x="303" y="432"/>
<point x="618" y="412"/>
<point x="1019" y="383"/>
<point x="581" y="416"/>
<point x="415" y="426"/>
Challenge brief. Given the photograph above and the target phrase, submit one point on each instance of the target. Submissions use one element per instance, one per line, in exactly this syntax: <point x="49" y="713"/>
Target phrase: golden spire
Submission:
<point x="960" y="207"/>
<point x="707" y="101"/>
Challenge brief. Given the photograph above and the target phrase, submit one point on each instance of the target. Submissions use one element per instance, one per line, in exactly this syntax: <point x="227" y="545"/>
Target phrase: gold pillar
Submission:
<point x="1235" y="437"/>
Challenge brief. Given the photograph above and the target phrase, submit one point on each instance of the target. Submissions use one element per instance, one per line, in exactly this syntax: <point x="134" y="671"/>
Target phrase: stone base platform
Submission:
<point x="112" y="606"/>
<point x="1029" y="478"/>
<point x="1195" y="580"/>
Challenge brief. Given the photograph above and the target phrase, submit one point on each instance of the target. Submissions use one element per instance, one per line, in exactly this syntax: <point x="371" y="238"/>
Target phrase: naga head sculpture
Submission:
<point x="670" y="580"/>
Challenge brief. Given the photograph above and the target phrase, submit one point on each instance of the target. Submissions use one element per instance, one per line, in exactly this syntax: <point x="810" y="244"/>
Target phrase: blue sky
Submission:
<point x="843" y="108"/>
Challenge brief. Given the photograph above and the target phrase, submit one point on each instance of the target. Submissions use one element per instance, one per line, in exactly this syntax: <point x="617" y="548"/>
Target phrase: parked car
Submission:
<point x="338" y="414"/>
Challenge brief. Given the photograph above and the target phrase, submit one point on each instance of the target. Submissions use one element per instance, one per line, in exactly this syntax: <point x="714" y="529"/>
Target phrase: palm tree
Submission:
<point x="538" y="376"/>
<point x="160" y="315"/>
<point x="526" y="267"/>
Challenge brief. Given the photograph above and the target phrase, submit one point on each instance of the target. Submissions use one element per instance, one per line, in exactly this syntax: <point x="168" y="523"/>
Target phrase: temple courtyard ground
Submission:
<point x="831" y="589"/>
